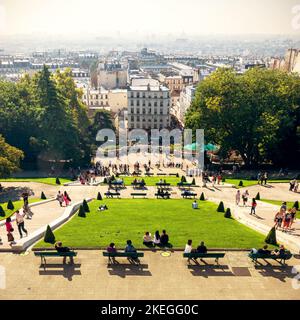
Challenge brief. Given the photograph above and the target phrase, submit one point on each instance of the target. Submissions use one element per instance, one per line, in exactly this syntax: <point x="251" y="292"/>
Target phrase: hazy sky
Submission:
<point x="107" y="17"/>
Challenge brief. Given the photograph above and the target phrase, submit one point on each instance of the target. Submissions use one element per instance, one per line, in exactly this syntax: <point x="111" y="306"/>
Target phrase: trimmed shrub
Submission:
<point x="2" y="213"/>
<point x="227" y="214"/>
<point x="49" y="235"/>
<point x="194" y="182"/>
<point x="241" y="183"/>
<point x="271" y="237"/>
<point x="257" y="196"/>
<point x="202" y="197"/>
<point x="112" y="178"/>
<point x="221" y="207"/>
<point x="296" y="205"/>
<point x="99" y="197"/>
<point x="10" y="205"/>
<point x="177" y="175"/>
<point x="105" y="180"/>
<point x="183" y="179"/>
<point x="81" y="212"/>
<point x="57" y="181"/>
<point x="223" y="180"/>
<point x="85" y="206"/>
<point x="43" y="197"/>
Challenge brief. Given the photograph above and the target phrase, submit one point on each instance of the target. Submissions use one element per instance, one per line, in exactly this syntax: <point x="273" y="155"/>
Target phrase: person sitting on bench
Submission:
<point x="59" y="248"/>
<point x="264" y="250"/>
<point x="164" y="239"/>
<point x="279" y="252"/>
<point x="112" y="249"/>
<point x="130" y="248"/>
<point x="201" y="248"/>
<point x="147" y="240"/>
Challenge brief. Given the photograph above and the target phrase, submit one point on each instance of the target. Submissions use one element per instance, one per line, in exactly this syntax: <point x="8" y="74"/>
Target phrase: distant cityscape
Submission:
<point x="150" y="88"/>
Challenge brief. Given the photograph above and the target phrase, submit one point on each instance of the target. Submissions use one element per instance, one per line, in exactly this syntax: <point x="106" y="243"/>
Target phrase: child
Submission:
<point x="253" y="206"/>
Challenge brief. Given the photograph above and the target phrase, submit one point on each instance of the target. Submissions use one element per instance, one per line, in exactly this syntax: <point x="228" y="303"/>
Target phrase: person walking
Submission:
<point x="245" y="196"/>
<point x="238" y="197"/>
<point x="60" y="198"/>
<point x="10" y="230"/>
<point x="67" y="199"/>
<point x="20" y="224"/>
<point x="253" y="206"/>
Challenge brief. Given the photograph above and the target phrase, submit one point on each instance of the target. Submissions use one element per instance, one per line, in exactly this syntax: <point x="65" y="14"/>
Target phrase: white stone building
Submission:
<point x="148" y="105"/>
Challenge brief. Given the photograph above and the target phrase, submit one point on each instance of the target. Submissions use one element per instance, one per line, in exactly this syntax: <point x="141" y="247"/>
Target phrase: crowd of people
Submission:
<point x="294" y="185"/>
<point x="285" y="218"/>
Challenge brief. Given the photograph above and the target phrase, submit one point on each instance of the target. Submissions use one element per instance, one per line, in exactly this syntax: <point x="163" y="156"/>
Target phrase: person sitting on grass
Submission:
<point x="264" y="250"/>
<point x="131" y="249"/>
<point x="195" y="205"/>
<point x="103" y="208"/>
<point x="164" y="239"/>
<point x="156" y="239"/>
<point x="59" y="248"/>
<point x="147" y="240"/>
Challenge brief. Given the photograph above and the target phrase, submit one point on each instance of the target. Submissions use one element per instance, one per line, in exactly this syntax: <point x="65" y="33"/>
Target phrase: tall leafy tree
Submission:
<point x="256" y="114"/>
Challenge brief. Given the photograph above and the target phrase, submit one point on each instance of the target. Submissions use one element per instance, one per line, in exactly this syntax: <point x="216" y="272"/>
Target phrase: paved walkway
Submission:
<point x="158" y="278"/>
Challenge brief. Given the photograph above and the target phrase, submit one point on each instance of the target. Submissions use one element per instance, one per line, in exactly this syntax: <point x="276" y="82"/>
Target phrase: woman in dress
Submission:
<point x="67" y="199"/>
<point x="238" y="197"/>
<point x="9" y="229"/>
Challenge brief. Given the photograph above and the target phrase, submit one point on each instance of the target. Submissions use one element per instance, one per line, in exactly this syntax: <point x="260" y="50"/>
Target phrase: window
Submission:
<point x="131" y="103"/>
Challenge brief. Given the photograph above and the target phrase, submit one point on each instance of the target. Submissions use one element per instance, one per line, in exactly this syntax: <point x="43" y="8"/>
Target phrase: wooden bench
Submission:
<point x="188" y="195"/>
<point x="112" y="194"/>
<point x="165" y="195"/>
<point x="129" y="255"/>
<point x="280" y="258"/>
<point x="210" y="255"/>
<point x="138" y="194"/>
<point x="44" y="254"/>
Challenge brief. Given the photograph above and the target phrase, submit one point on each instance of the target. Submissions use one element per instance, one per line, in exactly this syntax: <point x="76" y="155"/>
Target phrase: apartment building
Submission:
<point x="148" y="105"/>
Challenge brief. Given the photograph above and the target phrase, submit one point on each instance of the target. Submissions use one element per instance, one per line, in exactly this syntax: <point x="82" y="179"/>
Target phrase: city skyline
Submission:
<point x="120" y="18"/>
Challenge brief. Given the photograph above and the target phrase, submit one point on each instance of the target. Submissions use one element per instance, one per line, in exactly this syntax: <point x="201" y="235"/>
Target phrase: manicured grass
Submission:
<point x="249" y="183"/>
<point x="152" y="180"/>
<point x="246" y="183"/>
<point x="17" y="204"/>
<point x="130" y="218"/>
<point x="279" y="202"/>
<point x="50" y="181"/>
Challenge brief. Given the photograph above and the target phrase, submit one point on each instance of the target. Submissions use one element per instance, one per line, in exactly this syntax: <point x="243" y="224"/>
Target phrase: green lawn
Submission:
<point x="249" y="183"/>
<point x="152" y="180"/>
<point x="50" y="181"/>
<point x="279" y="202"/>
<point x="130" y="218"/>
<point x="17" y="204"/>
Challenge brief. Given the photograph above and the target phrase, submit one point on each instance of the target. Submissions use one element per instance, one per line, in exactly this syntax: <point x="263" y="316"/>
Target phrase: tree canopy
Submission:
<point x="256" y="114"/>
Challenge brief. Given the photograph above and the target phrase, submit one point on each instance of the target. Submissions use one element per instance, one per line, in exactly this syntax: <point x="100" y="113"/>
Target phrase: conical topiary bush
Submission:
<point x="43" y="197"/>
<point x="2" y="212"/>
<point x="227" y="214"/>
<point x="193" y="182"/>
<point x="105" y="180"/>
<point x="296" y="205"/>
<point x="81" y="212"/>
<point x="223" y="180"/>
<point x="241" y="183"/>
<point x="49" y="236"/>
<point x="85" y="206"/>
<point x="10" y="205"/>
<point x="202" y="197"/>
<point x="183" y="179"/>
<point x="99" y="197"/>
<point x="257" y="196"/>
<point x="221" y="207"/>
<point x="57" y="181"/>
<point x="271" y="237"/>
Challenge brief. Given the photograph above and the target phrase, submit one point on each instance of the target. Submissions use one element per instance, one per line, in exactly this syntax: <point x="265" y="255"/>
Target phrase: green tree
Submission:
<point x="256" y="114"/>
<point x="10" y="158"/>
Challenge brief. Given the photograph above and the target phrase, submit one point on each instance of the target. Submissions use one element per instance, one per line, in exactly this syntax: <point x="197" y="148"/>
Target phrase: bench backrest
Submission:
<point x="55" y="254"/>
<point x="204" y="255"/>
<point x="285" y="256"/>
<point x="123" y="254"/>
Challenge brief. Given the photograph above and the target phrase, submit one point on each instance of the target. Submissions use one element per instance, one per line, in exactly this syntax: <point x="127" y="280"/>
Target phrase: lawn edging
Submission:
<point x="24" y="243"/>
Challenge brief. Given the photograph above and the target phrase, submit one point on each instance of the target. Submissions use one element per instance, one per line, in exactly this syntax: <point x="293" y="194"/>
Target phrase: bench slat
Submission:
<point x="203" y="255"/>
<point x="55" y="254"/>
<point x="123" y="254"/>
